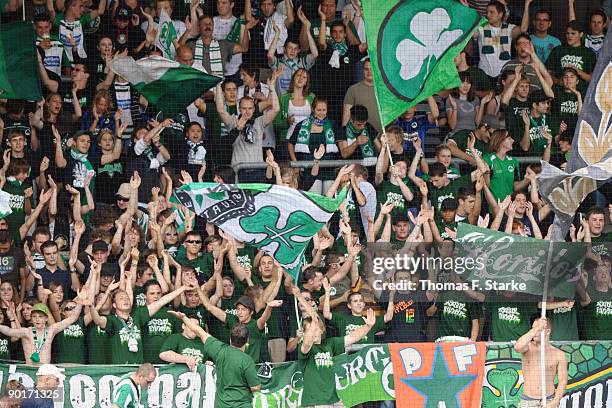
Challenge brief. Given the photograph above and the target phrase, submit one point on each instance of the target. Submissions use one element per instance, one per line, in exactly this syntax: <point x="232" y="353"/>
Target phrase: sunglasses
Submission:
<point x="307" y="299"/>
<point x="193" y="241"/>
<point x="122" y="199"/>
<point x="69" y="308"/>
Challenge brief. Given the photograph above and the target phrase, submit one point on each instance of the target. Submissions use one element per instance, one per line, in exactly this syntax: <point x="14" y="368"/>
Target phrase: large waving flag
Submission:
<point x="166" y="34"/>
<point x="590" y="163"/>
<point x="166" y="84"/>
<point x="19" y="78"/>
<point x="276" y="219"/>
<point x="412" y="44"/>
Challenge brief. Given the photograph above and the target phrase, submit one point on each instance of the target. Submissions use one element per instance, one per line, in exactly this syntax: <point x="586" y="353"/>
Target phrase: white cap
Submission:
<point x="50" y="369"/>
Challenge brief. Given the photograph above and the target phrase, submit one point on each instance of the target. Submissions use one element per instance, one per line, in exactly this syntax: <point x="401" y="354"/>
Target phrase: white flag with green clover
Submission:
<point x="279" y="220"/>
<point x="166" y="34"/>
<point x="5" y="207"/>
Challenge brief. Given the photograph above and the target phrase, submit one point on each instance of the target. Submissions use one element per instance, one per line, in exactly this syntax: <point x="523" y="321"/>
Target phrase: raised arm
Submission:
<point x="164" y="300"/>
<point x="212" y="309"/>
<point x="362" y="331"/>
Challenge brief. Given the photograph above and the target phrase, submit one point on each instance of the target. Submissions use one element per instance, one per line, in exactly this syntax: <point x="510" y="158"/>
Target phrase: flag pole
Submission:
<point x="383" y="125"/>
<point x="543" y="316"/>
<point x="24" y="10"/>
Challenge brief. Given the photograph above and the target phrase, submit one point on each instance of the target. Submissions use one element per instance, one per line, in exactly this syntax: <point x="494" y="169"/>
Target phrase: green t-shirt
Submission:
<point x="564" y="107"/>
<point x="155" y="330"/>
<point x="199" y="312"/>
<point x="277" y="323"/>
<point x="602" y="244"/>
<point x="537" y="128"/>
<point x="5" y="342"/>
<point x="119" y="332"/>
<point x="503" y="175"/>
<point x="256" y="336"/>
<point x="510" y="319"/>
<point x="598" y="315"/>
<point x="245" y="258"/>
<point x="388" y="191"/>
<point x="16" y="202"/>
<point x="451" y="190"/>
<point x="319" y="378"/>
<point x="139" y="296"/>
<point x="126" y="394"/>
<point x="69" y="345"/>
<point x="236" y="374"/>
<point x="442" y="226"/>
<point x="98" y="345"/>
<point x="202" y="266"/>
<point x="184" y="346"/>
<point x="564" y="322"/>
<point x="565" y="56"/>
<point x="218" y="329"/>
<point x="461" y="140"/>
<point x="514" y="120"/>
<point x="348" y="323"/>
<point x="456" y="313"/>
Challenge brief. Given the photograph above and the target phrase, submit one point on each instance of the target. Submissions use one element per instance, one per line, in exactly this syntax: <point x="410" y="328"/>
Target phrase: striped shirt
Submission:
<point x="126" y="393"/>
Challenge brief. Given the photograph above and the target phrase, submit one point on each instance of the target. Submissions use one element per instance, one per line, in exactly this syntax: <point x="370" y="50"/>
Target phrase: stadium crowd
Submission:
<point x="94" y="256"/>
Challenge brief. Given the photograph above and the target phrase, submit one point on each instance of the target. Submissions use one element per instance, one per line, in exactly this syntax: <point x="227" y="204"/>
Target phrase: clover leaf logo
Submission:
<point x="504" y="389"/>
<point x="430" y="30"/>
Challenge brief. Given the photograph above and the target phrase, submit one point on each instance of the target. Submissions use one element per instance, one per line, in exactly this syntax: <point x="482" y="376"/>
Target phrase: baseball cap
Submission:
<point x="449" y="204"/>
<point x="99" y="245"/>
<point x="491" y="121"/>
<point x="246" y="302"/>
<point x="538" y="96"/>
<point x="39" y="307"/>
<point x="107" y="269"/>
<point x="50" y="369"/>
<point x="123" y="13"/>
<point x="570" y="69"/>
<point x="401" y="218"/>
<point x="124" y="191"/>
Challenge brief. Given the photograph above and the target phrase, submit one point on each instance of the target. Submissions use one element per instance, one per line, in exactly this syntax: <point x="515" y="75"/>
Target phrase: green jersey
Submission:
<point x="348" y="323"/>
<point x="186" y="347"/>
<point x="126" y="393"/>
<point x="155" y="330"/>
<point x="451" y="190"/>
<point x="564" y="322"/>
<point x="537" y="128"/>
<point x="98" y="345"/>
<point x="236" y="375"/>
<point x="139" y="296"/>
<point x="389" y="192"/>
<point x="456" y="313"/>
<point x="202" y="265"/>
<point x="461" y="140"/>
<point x="510" y="319"/>
<point x="256" y="336"/>
<point x="598" y="315"/>
<point x="503" y="175"/>
<point x="565" y="56"/>
<point x="319" y="377"/>
<point x="122" y="333"/>
<point x="69" y="345"/>
<point x="602" y="244"/>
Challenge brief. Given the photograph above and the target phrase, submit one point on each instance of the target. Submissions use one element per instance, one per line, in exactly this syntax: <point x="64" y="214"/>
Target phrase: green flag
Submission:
<point x="19" y="78"/>
<point x="276" y="219"/>
<point x="412" y="44"/>
<point x="166" y="84"/>
<point x="502" y="261"/>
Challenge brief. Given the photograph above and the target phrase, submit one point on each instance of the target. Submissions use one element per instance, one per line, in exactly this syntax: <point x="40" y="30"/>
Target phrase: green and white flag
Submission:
<point x="5" y="207"/>
<point x="166" y="34"/>
<point x="276" y="219"/>
<point x="412" y="44"/>
<point x="168" y="85"/>
<point x="19" y="77"/>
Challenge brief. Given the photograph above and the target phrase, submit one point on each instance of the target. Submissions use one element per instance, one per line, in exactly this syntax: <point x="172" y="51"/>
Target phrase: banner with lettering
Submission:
<point x="438" y="374"/>
<point x="512" y="262"/>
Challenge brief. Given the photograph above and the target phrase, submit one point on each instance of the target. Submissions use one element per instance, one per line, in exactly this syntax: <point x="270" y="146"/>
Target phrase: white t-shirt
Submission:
<point x="490" y="63"/>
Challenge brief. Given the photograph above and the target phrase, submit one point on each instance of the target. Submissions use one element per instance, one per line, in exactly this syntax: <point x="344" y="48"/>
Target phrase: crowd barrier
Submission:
<point x="365" y="375"/>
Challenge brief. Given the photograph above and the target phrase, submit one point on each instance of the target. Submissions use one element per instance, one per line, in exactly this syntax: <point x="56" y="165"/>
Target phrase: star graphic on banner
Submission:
<point x="441" y="385"/>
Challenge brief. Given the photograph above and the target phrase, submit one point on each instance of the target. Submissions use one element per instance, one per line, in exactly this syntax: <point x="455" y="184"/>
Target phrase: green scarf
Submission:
<point x="342" y="47"/>
<point x="504" y="42"/>
<point x="303" y="138"/>
<point x="79" y="172"/>
<point x="12" y="180"/>
<point x="351" y="137"/>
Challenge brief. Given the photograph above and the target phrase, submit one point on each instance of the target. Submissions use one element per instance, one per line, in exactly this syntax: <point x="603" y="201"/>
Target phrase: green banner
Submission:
<point x="366" y="375"/>
<point x="513" y="262"/>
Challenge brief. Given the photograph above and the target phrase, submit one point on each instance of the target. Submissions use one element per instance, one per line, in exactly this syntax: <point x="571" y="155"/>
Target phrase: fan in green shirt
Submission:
<point x="245" y="311"/>
<point x="458" y="315"/>
<point x="505" y="176"/>
<point x="236" y="374"/>
<point x="601" y="243"/>
<point x="398" y="190"/>
<point x="183" y="348"/>
<point x="315" y="356"/>
<point x="69" y="345"/>
<point x="457" y="143"/>
<point x="596" y="301"/>
<point x="348" y="323"/>
<point x="201" y="264"/>
<point x="564" y="318"/>
<point x="574" y="55"/>
<point x="537" y="131"/>
<point x="127" y="391"/>
<point x="510" y="317"/>
<point x="124" y="329"/>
